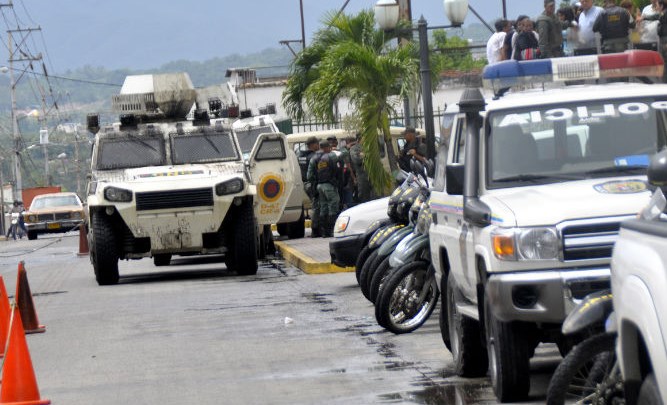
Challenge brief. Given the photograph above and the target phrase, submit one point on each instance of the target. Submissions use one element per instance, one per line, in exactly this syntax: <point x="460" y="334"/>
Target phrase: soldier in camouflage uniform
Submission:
<point x="349" y="176"/>
<point x="313" y="145"/>
<point x="324" y="170"/>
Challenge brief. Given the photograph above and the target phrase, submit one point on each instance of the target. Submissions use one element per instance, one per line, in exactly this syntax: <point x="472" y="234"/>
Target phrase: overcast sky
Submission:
<point x="140" y="34"/>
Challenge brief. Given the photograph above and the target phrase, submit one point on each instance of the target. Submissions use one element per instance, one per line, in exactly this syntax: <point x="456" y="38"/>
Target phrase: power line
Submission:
<point x="71" y="79"/>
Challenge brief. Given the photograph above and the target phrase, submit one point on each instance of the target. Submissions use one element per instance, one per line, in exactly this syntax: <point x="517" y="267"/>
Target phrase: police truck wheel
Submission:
<point x="649" y="392"/>
<point x="509" y="358"/>
<point x="162" y="259"/>
<point x="242" y="250"/>
<point x="470" y="358"/>
<point x="105" y="254"/>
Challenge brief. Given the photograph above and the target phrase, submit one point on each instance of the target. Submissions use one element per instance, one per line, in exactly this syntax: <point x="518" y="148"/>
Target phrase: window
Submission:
<point x="130" y="151"/>
<point x="206" y="145"/>
<point x="551" y="143"/>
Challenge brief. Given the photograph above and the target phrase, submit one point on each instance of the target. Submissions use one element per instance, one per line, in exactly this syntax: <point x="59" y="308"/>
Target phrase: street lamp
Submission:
<point x="386" y="14"/>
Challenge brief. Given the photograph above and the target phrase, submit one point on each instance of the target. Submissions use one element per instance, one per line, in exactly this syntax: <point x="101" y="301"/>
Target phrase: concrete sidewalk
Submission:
<point x="310" y="255"/>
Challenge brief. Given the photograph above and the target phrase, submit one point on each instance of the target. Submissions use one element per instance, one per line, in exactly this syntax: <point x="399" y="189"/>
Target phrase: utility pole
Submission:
<point x="76" y="159"/>
<point x="18" y="183"/>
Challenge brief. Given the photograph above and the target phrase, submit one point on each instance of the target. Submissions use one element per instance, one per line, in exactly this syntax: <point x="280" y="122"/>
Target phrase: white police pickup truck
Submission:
<point x="639" y="276"/>
<point x="538" y="181"/>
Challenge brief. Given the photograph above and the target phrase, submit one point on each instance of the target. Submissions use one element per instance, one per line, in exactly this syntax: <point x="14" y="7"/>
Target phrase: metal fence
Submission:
<point x="416" y="120"/>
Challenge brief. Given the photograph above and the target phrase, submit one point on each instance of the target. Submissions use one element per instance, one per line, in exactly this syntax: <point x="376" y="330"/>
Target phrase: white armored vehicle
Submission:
<point x="165" y="185"/>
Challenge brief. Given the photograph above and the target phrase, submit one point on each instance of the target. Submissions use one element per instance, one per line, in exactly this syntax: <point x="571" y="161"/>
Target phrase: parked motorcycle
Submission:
<point x="407" y="291"/>
<point x="384" y="265"/>
<point x="15" y="228"/>
<point x="397" y="211"/>
<point x="589" y="373"/>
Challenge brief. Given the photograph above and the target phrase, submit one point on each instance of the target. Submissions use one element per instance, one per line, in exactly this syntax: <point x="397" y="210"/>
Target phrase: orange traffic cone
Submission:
<point x="5" y="313"/>
<point x="24" y="300"/>
<point x="83" y="241"/>
<point x="19" y="385"/>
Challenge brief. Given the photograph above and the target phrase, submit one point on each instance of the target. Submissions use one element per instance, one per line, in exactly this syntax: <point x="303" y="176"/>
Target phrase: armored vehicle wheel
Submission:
<point x="297" y="229"/>
<point x="470" y="358"/>
<point x="103" y="253"/>
<point x="162" y="259"/>
<point x="241" y="256"/>
<point x="293" y="230"/>
<point x="266" y="245"/>
<point x="32" y="235"/>
<point x="282" y="228"/>
<point x="509" y="358"/>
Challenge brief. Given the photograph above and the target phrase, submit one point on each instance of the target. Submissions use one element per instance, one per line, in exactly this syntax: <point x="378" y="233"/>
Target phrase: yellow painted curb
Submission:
<point x="306" y="263"/>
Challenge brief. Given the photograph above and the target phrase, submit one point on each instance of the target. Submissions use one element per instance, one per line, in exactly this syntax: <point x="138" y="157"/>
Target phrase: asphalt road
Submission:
<point x="193" y="333"/>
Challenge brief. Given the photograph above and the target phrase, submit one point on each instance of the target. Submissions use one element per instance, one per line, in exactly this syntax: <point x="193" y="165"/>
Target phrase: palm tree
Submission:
<point x="350" y="57"/>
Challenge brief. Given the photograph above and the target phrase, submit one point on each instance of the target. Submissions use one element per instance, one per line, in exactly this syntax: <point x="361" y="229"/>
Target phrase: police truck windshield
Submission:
<point x="546" y="144"/>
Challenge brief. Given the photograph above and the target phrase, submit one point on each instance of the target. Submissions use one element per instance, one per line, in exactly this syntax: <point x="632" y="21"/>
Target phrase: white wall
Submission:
<point x="259" y="96"/>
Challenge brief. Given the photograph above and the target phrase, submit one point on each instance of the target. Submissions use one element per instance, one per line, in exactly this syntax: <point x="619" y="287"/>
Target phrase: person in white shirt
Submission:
<point x="649" y="25"/>
<point x="494" y="46"/>
<point x="586" y="37"/>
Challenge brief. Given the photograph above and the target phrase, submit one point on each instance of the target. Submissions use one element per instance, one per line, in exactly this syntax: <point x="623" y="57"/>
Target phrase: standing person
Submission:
<point x="526" y="43"/>
<point x="507" y="43"/>
<point x="349" y="176"/>
<point x="333" y="141"/>
<point x="566" y="17"/>
<point x="323" y="170"/>
<point x="305" y="156"/>
<point x="634" y="32"/>
<point x="587" y="44"/>
<point x="412" y="147"/>
<point x="549" y="30"/>
<point x="364" y="189"/>
<point x="614" y="25"/>
<point x="494" y="45"/>
<point x="18" y="209"/>
<point x="649" y="26"/>
<point x="662" y="34"/>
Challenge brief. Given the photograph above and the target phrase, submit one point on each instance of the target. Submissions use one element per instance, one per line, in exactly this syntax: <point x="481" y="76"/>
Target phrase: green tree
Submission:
<point x="351" y="58"/>
<point x="453" y="53"/>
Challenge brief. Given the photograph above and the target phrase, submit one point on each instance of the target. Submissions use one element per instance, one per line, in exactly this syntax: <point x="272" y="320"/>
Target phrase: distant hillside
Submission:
<point x="92" y="85"/>
<point x="90" y="88"/>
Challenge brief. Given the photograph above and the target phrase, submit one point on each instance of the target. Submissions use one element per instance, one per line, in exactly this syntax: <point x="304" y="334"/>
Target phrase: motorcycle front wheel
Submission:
<point x="408" y="298"/>
<point x="589" y="364"/>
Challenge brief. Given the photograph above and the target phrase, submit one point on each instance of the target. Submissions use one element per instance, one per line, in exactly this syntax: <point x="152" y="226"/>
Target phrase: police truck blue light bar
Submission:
<point x="634" y="63"/>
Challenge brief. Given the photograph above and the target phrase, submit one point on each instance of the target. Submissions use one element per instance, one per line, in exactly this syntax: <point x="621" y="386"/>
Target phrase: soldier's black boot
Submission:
<point x="315" y="228"/>
<point x="329" y="226"/>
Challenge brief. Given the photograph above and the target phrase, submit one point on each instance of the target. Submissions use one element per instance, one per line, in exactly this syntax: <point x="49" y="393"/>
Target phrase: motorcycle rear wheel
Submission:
<point x="361" y="259"/>
<point x="397" y="308"/>
<point x="584" y="367"/>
